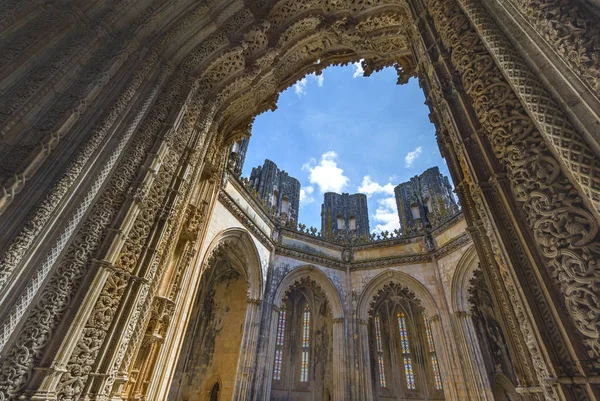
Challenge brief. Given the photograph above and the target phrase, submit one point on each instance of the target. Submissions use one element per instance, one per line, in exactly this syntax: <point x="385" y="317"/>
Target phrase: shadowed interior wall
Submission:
<point x="213" y="340"/>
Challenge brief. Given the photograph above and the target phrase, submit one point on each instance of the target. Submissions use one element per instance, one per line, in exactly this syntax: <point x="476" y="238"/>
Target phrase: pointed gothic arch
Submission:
<point x="208" y="69"/>
<point x="459" y="291"/>
<point x="242" y="245"/>
<point x="412" y="284"/>
<point x="230" y="260"/>
<point x="312" y="275"/>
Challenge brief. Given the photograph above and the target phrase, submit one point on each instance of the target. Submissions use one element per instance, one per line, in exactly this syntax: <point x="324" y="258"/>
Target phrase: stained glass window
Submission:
<point x="279" y="344"/>
<point x="408" y="368"/>
<point x="305" y="344"/>
<point x="437" y="378"/>
<point x="379" y="350"/>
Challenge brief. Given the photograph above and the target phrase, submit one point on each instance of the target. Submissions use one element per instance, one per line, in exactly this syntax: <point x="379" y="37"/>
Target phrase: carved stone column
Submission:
<point x="526" y="202"/>
<point x="61" y="288"/>
<point x="534" y="187"/>
<point x="451" y="375"/>
<point x="571" y="29"/>
<point x="456" y="131"/>
<point x="578" y="159"/>
<point x="365" y="379"/>
<point x="247" y="361"/>
<point x="265" y="390"/>
<point x="478" y="384"/>
<point x="340" y="372"/>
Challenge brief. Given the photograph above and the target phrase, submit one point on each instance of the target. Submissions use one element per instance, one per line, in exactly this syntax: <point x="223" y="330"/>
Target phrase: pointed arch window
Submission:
<point x="380" y="361"/>
<point x="305" y="344"/>
<point x="279" y="343"/>
<point x="408" y="368"/>
<point x="437" y="378"/>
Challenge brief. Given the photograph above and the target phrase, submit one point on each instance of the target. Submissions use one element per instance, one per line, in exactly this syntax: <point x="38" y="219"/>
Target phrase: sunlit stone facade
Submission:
<point x="125" y="245"/>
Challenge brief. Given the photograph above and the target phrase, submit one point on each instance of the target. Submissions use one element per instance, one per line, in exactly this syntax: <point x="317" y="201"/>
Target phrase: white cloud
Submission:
<point x="326" y="174"/>
<point x="412" y="156"/>
<point x="306" y="195"/>
<point x="320" y="80"/>
<point x="358" y="69"/>
<point x="300" y="86"/>
<point x="386" y="215"/>
<point x="370" y="187"/>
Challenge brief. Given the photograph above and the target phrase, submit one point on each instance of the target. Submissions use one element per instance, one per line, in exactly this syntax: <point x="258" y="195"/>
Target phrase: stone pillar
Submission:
<point x="340" y="371"/>
<point x="478" y="385"/>
<point x="365" y="381"/>
<point x="451" y="377"/>
<point x="247" y="361"/>
<point x="268" y="361"/>
<point x="578" y="159"/>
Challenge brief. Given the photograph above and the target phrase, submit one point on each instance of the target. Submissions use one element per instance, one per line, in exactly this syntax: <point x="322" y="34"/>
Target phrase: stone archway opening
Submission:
<point x="403" y="357"/>
<point x="171" y="112"/>
<point x="213" y="341"/>
<point x="303" y="366"/>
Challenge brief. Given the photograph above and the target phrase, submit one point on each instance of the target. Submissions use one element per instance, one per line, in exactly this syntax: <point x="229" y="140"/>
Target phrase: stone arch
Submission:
<point x="338" y="390"/>
<point x="504" y="389"/>
<point x="384" y="278"/>
<point x="229" y="54"/>
<point x="238" y="242"/>
<point x="324" y="282"/>
<point x="460" y="280"/>
<point x="210" y="384"/>
<point x="223" y="321"/>
<point x="422" y="297"/>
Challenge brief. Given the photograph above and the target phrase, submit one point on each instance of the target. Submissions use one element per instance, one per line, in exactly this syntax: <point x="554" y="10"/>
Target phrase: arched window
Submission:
<point x="380" y="361"/>
<point x="285" y="205"/>
<point x="414" y="209"/>
<point x="305" y="344"/>
<point x="341" y="224"/>
<point x="408" y="368"/>
<point x="352" y="223"/>
<point x="437" y="378"/>
<point x="279" y="344"/>
<point x="214" y="392"/>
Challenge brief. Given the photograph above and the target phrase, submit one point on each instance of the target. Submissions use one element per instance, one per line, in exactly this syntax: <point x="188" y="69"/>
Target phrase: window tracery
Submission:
<point x="279" y="343"/>
<point x="304" y="368"/>
<point x="437" y="378"/>
<point x="408" y="367"/>
<point x="380" y="360"/>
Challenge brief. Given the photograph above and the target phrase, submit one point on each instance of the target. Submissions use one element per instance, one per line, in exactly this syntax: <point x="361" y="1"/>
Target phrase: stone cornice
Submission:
<point x="311" y="239"/>
<point x="310" y="257"/>
<point x="452" y="245"/>
<point x="331" y="262"/>
<point x="392" y="261"/>
<point x="256" y="207"/>
<point x="243" y="217"/>
<point x="448" y="223"/>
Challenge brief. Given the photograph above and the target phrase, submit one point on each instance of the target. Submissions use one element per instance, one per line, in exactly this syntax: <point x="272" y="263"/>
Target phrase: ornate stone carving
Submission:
<point x="16" y="368"/>
<point x="560" y="135"/>
<point x="572" y="30"/>
<point x="566" y="232"/>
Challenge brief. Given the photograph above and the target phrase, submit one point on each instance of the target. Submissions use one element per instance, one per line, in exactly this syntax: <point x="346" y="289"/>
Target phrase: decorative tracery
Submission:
<point x="437" y="378"/>
<point x="380" y="360"/>
<point x="408" y="367"/>
<point x="279" y="343"/>
<point x="304" y="367"/>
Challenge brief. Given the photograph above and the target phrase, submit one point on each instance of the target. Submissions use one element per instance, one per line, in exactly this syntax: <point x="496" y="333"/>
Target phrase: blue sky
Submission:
<point x="343" y="132"/>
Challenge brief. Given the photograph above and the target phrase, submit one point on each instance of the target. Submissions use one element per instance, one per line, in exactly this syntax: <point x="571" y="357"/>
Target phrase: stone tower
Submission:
<point x="237" y="156"/>
<point x="278" y="189"/>
<point x="425" y="201"/>
<point x="344" y="214"/>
